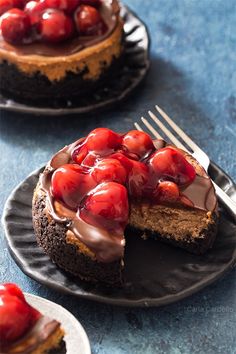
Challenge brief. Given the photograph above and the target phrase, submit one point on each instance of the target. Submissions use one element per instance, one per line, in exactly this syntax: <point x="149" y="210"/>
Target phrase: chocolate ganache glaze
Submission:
<point x="41" y="331"/>
<point x="106" y="246"/>
<point x="109" y="11"/>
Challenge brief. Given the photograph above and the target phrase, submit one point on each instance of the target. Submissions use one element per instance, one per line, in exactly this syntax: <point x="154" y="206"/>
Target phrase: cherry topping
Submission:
<point x="35" y="10"/>
<point x="103" y="141"/>
<point x="169" y="163"/>
<point x="70" y="183"/>
<point x="82" y="156"/>
<point x="15" y="318"/>
<point x="79" y="154"/>
<point x="138" y="179"/>
<point x="6" y="5"/>
<point x="89" y="161"/>
<point x="167" y="192"/>
<point x="138" y="143"/>
<point x="89" y="21"/>
<point x="123" y="159"/>
<point x="55" y="26"/>
<point x="65" y="5"/>
<point x="106" y="206"/>
<point x="15" y="25"/>
<point x="109" y="170"/>
<point x="11" y="289"/>
<point x="108" y="166"/>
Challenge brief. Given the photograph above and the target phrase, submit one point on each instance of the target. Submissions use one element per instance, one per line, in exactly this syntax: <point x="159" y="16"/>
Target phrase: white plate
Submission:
<point x="76" y="338"/>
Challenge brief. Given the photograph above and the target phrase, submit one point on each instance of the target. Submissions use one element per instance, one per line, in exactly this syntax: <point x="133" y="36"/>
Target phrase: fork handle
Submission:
<point x="228" y="203"/>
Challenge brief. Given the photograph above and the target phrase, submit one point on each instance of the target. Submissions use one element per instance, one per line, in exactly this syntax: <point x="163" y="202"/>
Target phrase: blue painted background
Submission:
<point x="193" y="77"/>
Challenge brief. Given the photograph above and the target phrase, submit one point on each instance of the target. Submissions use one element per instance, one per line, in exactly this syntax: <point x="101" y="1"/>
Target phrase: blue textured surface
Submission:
<point x="193" y="78"/>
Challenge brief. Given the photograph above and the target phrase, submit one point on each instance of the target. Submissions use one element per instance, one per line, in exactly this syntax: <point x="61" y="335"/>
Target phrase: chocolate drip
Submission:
<point x="105" y="246"/>
<point x="40" y="332"/>
<point x="109" y="11"/>
<point x="201" y="193"/>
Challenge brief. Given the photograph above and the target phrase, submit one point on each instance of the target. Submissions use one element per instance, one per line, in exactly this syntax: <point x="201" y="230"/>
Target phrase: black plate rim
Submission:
<point x="18" y="107"/>
<point x="144" y="302"/>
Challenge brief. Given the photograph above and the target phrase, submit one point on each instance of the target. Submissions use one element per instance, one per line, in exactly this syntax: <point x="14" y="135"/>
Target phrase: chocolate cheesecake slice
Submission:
<point x="95" y="189"/>
<point x="23" y="329"/>
<point x="73" y="59"/>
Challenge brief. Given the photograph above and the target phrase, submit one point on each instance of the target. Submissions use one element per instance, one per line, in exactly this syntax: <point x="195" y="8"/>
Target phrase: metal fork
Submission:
<point x="191" y="147"/>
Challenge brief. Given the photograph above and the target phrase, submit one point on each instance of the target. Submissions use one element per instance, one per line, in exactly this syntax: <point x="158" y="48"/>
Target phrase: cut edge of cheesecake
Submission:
<point x="191" y="229"/>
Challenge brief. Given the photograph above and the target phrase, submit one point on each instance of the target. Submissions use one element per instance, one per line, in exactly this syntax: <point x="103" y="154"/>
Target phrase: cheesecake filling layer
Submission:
<point x="106" y="245"/>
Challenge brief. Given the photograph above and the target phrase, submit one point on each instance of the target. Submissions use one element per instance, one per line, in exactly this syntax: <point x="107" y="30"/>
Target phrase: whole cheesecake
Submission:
<point x="69" y="48"/>
<point x="23" y="329"/>
<point x="94" y="190"/>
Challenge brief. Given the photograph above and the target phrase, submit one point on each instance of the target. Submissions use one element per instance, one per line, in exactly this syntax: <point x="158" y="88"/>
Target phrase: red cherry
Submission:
<point x="130" y="155"/>
<point x="125" y="161"/>
<point x="11" y="289"/>
<point x="109" y="170"/>
<point x="169" y="163"/>
<point x="138" y="143"/>
<point x="6" y="5"/>
<point x="35" y="10"/>
<point x="106" y="206"/>
<point x="70" y="183"/>
<point x="138" y="179"/>
<point x="15" y="318"/>
<point x="89" y="161"/>
<point x="15" y="25"/>
<point x="65" y="5"/>
<point x="89" y="21"/>
<point x="81" y="156"/>
<point x="103" y="141"/>
<point x="55" y="26"/>
<point x="79" y="153"/>
<point x="167" y="192"/>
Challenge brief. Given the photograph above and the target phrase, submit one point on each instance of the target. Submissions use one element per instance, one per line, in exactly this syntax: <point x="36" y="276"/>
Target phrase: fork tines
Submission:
<point x="166" y="131"/>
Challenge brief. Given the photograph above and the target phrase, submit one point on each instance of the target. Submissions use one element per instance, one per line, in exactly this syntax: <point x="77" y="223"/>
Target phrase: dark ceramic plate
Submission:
<point x="124" y="81"/>
<point x="156" y="274"/>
